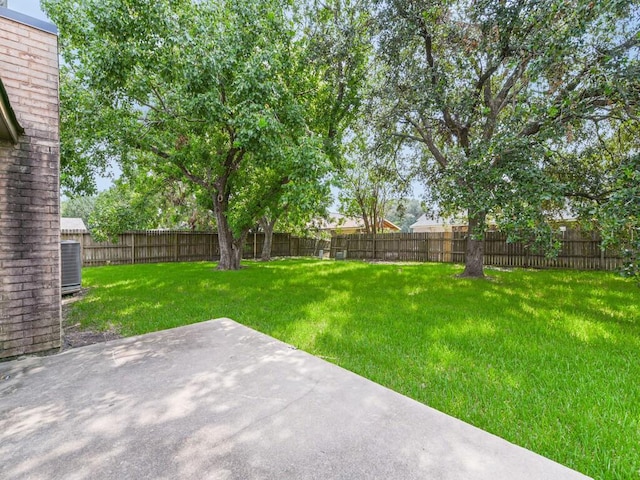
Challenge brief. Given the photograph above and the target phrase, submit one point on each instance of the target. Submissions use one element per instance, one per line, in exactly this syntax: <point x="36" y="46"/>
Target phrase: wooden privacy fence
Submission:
<point x="182" y="246"/>
<point x="579" y="250"/>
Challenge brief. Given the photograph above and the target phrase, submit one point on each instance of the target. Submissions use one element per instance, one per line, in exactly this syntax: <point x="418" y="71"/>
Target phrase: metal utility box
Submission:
<point x="70" y="254"/>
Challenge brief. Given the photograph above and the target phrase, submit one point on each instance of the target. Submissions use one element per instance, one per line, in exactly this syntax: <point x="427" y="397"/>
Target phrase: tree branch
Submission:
<point x="193" y="178"/>
<point x="595" y="96"/>
<point x="428" y="47"/>
<point x="598" y="198"/>
<point x="427" y="139"/>
<point x="409" y="137"/>
<point x="502" y="98"/>
<point x="497" y="104"/>
<point x="165" y="156"/>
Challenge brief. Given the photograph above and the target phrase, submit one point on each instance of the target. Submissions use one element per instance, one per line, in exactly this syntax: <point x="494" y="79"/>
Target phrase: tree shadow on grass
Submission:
<point x="547" y="366"/>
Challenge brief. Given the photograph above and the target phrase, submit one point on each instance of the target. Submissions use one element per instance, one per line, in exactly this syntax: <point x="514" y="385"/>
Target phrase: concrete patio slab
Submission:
<point x="217" y="400"/>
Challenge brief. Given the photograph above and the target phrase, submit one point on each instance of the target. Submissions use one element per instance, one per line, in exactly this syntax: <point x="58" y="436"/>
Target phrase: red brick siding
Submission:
<point x="29" y="194"/>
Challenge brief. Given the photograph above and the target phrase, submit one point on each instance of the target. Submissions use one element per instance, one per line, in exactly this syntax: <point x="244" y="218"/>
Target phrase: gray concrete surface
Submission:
<point x="217" y="400"/>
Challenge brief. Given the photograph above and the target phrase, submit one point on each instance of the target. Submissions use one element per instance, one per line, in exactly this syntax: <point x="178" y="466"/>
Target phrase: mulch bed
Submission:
<point x="73" y="335"/>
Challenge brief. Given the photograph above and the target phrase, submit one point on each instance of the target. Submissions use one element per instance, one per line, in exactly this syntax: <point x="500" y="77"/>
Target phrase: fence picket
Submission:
<point x="579" y="250"/>
<point x="181" y="246"/>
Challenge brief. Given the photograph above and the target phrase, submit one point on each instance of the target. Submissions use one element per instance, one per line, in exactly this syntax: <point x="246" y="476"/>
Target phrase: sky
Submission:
<point x="28" y="7"/>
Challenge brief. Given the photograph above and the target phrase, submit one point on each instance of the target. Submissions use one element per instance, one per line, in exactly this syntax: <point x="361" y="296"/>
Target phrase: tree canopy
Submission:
<point x="373" y="175"/>
<point x="404" y="213"/>
<point x="603" y="181"/>
<point x="78" y="207"/>
<point x="232" y="96"/>
<point x="494" y="93"/>
<point x="519" y="111"/>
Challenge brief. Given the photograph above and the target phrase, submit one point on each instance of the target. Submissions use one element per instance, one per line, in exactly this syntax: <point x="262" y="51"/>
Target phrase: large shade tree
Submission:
<point x="495" y="90"/>
<point x="143" y="201"/>
<point x="78" y="207"/>
<point x="374" y="174"/>
<point x="405" y="212"/>
<point x="228" y="95"/>
<point x="120" y="209"/>
<point x="336" y="35"/>
<point x="81" y="158"/>
<point x="603" y="182"/>
<point x="292" y="210"/>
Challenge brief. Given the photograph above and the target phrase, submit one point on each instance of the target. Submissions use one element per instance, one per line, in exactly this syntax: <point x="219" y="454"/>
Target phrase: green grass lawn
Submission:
<point x="548" y="360"/>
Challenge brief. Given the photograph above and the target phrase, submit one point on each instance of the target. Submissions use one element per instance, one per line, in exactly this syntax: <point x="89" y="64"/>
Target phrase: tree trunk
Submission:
<point x="474" y="259"/>
<point x="365" y="219"/>
<point x="230" y="247"/>
<point x="267" y="226"/>
<point x="238" y="247"/>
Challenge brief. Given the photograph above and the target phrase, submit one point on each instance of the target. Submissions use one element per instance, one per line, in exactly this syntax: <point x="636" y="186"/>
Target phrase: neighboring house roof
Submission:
<point x="67" y="223"/>
<point x="10" y="129"/>
<point x="426" y="221"/>
<point x="337" y="221"/>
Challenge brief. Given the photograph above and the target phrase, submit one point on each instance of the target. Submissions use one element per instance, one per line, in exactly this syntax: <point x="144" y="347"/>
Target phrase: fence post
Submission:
<point x="426" y="247"/>
<point x="175" y="239"/>
<point x="82" y="250"/>
<point x="447" y="247"/>
<point x="133" y="247"/>
<point x="374" y="247"/>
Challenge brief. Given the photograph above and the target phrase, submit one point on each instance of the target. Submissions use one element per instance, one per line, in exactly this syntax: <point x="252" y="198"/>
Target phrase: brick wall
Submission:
<point x="29" y="191"/>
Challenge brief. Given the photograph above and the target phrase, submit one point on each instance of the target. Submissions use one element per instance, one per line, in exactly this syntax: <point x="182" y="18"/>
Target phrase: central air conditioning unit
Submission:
<point x="70" y="253"/>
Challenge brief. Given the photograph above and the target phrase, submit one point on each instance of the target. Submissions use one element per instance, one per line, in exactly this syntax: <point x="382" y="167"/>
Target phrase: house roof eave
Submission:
<point x="10" y="129"/>
<point x="390" y="225"/>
